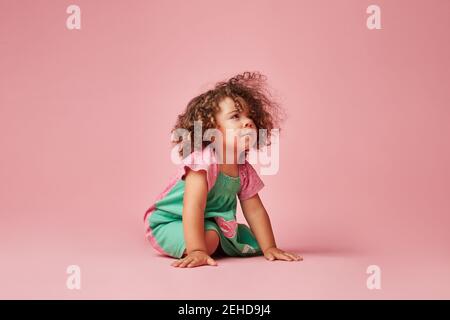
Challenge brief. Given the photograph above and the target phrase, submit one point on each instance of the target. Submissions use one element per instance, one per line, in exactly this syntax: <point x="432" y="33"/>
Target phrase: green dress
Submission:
<point x="166" y="227"/>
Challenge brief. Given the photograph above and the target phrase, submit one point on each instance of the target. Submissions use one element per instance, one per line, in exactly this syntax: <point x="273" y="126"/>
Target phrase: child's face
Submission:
<point x="237" y="128"/>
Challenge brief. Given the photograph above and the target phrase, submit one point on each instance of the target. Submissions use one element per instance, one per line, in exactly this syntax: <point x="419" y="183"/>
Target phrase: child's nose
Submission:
<point x="248" y="123"/>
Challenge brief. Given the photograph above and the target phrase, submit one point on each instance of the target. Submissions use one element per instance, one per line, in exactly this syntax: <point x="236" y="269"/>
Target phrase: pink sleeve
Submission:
<point x="200" y="161"/>
<point x="251" y="183"/>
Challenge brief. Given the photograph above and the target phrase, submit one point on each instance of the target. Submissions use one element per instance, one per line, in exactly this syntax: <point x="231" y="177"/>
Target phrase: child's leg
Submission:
<point x="212" y="242"/>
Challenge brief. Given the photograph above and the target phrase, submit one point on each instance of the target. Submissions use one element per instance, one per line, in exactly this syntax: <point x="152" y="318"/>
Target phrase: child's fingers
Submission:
<point x="177" y="263"/>
<point x="270" y="256"/>
<point x="194" y="263"/>
<point x="294" y="256"/>
<point x="283" y="256"/>
<point x="185" y="262"/>
<point x="190" y="262"/>
<point x="211" y="261"/>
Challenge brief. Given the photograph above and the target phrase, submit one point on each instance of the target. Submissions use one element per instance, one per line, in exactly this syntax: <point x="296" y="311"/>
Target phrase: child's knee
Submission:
<point x="212" y="241"/>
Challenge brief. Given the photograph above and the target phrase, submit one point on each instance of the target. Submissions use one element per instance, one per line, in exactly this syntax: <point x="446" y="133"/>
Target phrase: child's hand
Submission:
<point x="195" y="259"/>
<point x="277" y="254"/>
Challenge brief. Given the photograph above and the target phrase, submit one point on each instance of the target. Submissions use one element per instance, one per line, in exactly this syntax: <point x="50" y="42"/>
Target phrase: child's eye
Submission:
<point x="235" y="116"/>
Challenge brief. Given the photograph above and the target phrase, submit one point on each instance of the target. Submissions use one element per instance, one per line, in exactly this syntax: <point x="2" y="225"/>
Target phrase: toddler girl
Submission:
<point x="194" y="218"/>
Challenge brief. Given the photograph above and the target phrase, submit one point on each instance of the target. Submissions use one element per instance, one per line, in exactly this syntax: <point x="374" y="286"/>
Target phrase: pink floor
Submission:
<point x="123" y="266"/>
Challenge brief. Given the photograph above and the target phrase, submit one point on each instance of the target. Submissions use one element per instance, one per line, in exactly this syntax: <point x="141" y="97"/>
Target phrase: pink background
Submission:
<point x="85" y="117"/>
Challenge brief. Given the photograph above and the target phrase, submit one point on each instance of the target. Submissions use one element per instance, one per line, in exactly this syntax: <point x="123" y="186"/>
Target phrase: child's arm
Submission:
<point x="194" y="203"/>
<point x="258" y="219"/>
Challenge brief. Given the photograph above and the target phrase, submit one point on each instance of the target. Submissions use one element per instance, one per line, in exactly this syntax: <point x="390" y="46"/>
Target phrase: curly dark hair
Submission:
<point x="247" y="88"/>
